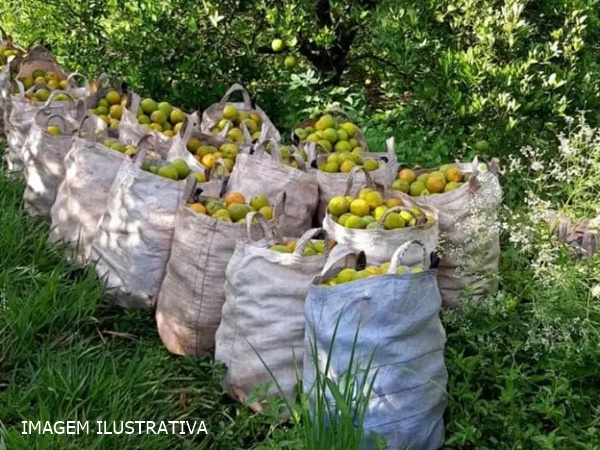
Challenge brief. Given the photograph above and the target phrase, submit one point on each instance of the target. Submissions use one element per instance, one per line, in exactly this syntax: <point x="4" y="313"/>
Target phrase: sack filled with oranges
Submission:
<point x="188" y="311"/>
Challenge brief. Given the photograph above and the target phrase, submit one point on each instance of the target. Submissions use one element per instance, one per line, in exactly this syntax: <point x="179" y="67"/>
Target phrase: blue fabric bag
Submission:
<point x="399" y="327"/>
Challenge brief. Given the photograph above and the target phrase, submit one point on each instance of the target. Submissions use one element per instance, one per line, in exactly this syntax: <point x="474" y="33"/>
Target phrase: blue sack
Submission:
<point x="399" y="333"/>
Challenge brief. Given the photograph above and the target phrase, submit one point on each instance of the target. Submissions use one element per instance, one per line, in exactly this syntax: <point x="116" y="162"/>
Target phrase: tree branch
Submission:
<point x="323" y="13"/>
<point x="379" y="59"/>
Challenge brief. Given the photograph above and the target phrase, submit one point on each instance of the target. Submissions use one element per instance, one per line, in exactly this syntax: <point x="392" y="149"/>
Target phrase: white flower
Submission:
<point x="537" y="166"/>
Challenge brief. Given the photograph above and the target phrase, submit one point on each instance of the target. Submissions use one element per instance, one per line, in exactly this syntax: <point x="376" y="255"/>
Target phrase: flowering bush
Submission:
<point x="524" y="361"/>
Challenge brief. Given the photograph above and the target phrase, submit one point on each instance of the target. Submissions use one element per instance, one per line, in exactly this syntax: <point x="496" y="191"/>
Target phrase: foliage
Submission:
<point x="523" y="363"/>
<point x="65" y="354"/>
<point x="439" y="75"/>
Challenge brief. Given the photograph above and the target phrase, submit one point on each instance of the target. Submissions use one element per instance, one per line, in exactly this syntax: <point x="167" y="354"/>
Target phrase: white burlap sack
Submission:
<point x="261" y="336"/>
<point x="469" y="234"/>
<point x="90" y="170"/>
<point x="178" y="149"/>
<point x="379" y="244"/>
<point x="44" y="159"/>
<point x="10" y="67"/>
<point x="133" y="240"/>
<point x="331" y="184"/>
<point x="130" y="130"/>
<point x="188" y="311"/>
<point x="21" y="113"/>
<point x="385" y="330"/>
<point x="214" y="113"/>
<point x="255" y="174"/>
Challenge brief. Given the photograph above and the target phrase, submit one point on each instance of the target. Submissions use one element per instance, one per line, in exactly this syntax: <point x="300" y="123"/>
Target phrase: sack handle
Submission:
<point x="52" y="116"/>
<point x="311" y="152"/>
<point x="189" y="191"/>
<point x="18" y="59"/>
<point x="401" y="251"/>
<point x="141" y="154"/>
<point x="350" y="179"/>
<point x="73" y="75"/>
<point x="38" y="46"/>
<point x="338" y="253"/>
<point x="300" y="161"/>
<point x="494" y="166"/>
<point x="336" y="110"/>
<point x="80" y="109"/>
<point x="133" y="101"/>
<point x="21" y="86"/>
<point x="394" y="210"/>
<point x="213" y="173"/>
<point x="260" y="148"/>
<point x="56" y="93"/>
<point x="189" y="123"/>
<point x="246" y="133"/>
<point x="145" y="140"/>
<point x="91" y="134"/>
<point x="390" y="145"/>
<point x="265" y="226"/>
<point x="106" y="81"/>
<point x="306" y="238"/>
<point x="237" y="88"/>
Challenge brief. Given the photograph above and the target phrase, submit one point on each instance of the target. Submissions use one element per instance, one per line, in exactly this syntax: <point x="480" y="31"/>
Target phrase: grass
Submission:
<point x="66" y="354"/>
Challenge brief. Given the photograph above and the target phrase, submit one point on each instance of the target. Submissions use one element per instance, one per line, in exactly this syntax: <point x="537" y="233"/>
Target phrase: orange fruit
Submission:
<point x="436" y="182"/>
<point x="209" y="160"/>
<point x="407" y="175"/>
<point x="234" y="197"/>
<point x="454" y="174"/>
<point x="198" y="208"/>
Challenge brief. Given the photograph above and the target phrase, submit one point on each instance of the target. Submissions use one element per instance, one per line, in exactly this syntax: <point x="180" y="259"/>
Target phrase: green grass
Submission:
<point x="66" y="354"/>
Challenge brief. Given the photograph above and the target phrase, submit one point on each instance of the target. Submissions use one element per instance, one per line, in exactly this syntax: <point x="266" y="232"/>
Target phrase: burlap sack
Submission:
<point x="261" y="336"/>
<point x="8" y="67"/>
<point x="331" y="184"/>
<point x="379" y="244"/>
<point x="255" y="174"/>
<point x="387" y="330"/>
<point x="188" y="310"/>
<point x="44" y="159"/>
<point x="581" y="236"/>
<point x="21" y="113"/>
<point x="214" y="113"/>
<point x="90" y="170"/>
<point x="134" y="237"/>
<point x="469" y="233"/>
<point x="130" y="130"/>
